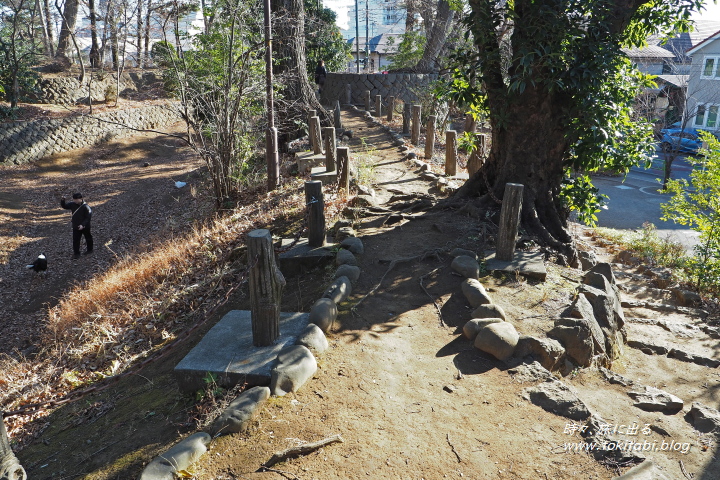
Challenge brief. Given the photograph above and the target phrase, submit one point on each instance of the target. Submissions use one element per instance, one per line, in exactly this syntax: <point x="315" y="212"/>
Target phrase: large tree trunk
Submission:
<point x="69" y="18"/>
<point x="534" y="161"/>
<point x="289" y="43"/>
<point x="94" y="47"/>
<point x="436" y="37"/>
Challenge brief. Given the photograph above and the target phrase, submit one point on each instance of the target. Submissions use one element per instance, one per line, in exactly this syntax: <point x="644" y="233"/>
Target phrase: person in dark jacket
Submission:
<point x="320" y="74"/>
<point x="81" y="214"/>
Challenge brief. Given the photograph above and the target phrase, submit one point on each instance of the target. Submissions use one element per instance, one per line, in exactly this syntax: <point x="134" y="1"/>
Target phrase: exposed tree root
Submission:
<point x="301" y="450"/>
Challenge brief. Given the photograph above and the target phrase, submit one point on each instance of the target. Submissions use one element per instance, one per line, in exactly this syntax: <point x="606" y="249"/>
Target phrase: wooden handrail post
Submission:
<point x="450" y="152"/>
<point x="316" y="141"/>
<point x="430" y="137"/>
<point x="391" y="108"/>
<point x="378" y="106"/>
<point x="330" y="149"/>
<point x="509" y="222"/>
<point x="316" y="213"/>
<point x="343" y="159"/>
<point x="266" y="286"/>
<point x="406" y="118"/>
<point x="415" y="136"/>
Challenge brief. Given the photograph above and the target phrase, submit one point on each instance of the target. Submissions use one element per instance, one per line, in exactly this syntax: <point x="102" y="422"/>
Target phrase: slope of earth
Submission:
<point x="411" y="397"/>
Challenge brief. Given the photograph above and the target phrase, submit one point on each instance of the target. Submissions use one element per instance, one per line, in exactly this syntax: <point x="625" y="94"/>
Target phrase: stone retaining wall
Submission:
<point x="405" y="86"/>
<point x="22" y="142"/>
<point x="69" y="90"/>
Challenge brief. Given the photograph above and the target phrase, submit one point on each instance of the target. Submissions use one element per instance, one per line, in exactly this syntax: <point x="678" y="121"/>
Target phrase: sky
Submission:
<point x="712" y="11"/>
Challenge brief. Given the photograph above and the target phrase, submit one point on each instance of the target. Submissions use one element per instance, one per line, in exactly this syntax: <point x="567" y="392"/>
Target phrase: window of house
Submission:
<point x="707" y="115"/>
<point x="711" y="68"/>
<point x="712" y="115"/>
<point x="700" y="115"/>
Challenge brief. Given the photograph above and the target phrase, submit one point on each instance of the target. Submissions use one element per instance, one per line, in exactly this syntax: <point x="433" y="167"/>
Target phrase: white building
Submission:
<point x="375" y="17"/>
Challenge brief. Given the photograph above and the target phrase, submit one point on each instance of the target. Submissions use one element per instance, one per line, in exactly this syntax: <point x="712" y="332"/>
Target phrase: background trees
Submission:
<point x="558" y="92"/>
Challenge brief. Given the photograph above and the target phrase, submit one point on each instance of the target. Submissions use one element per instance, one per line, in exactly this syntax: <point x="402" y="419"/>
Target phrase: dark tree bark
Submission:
<point x="94" y="47"/>
<point x="69" y="18"/>
<point x="289" y="43"/>
<point x="49" y="26"/>
<point x="436" y="37"/>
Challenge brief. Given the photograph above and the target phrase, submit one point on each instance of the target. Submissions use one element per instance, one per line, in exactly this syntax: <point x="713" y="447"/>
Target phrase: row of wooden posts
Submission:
<point x="411" y="126"/>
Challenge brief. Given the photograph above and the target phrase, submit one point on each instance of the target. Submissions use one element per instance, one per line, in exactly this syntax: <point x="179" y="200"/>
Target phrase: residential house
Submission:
<point x="375" y="53"/>
<point x="704" y="84"/>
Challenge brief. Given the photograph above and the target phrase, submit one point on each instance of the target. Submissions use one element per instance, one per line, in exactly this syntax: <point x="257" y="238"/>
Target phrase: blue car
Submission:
<point x="680" y="141"/>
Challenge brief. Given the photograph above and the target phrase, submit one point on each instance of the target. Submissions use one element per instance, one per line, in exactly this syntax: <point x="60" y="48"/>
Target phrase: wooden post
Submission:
<point x="406" y="118"/>
<point x="336" y="117"/>
<point x="430" y="137"/>
<point x="469" y="123"/>
<point x="272" y="158"/>
<point x="415" y="136"/>
<point x="10" y="467"/>
<point x="316" y="135"/>
<point x="311" y="128"/>
<point x="316" y="213"/>
<point x="343" y="159"/>
<point x="450" y="152"/>
<point x="509" y="220"/>
<point x="378" y="106"/>
<point x="330" y="149"/>
<point x="367" y="100"/>
<point x="348" y="94"/>
<point x="391" y="108"/>
<point x="482" y="145"/>
<point x="266" y="286"/>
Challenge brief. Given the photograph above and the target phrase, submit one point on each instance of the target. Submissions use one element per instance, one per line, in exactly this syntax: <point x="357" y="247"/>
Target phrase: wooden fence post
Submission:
<point x="348" y="94"/>
<point x="391" y="108"/>
<point x="450" y="152"/>
<point x="430" y="137"/>
<point x="10" y="467"/>
<point x="316" y="213"/>
<point x="330" y="149"/>
<point x="266" y="286"/>
<point x="406" y="118"/>
<point x="367" y="100"/>
<point x="272" y="158"/>
<point x="343" y="159"/>
<point x="337" y="118"/>
<point x="316" y="141"/>
<point x="378" y="106"/>
<point x="415" y="136"/>
<point x="311" y="127"/>
<point x="509" y="220"/>
<point x="470" y="123"/>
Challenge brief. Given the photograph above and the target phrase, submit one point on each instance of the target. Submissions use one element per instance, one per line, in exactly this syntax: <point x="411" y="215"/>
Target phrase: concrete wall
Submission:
<point x="405" y="86"/>
<point x="22" y="142"/>
<point x="69" y="90"/>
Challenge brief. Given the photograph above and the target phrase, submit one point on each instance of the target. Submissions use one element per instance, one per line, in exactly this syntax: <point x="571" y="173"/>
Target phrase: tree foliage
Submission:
<point x="558" y="92"/>
<point x="323" y="40"/>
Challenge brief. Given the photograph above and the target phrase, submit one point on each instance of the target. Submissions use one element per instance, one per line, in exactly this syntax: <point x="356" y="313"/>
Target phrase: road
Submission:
<point x="635" y="199"/>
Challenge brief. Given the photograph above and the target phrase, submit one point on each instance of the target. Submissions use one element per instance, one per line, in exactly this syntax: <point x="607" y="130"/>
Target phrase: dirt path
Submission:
<point x="411" y="397"/>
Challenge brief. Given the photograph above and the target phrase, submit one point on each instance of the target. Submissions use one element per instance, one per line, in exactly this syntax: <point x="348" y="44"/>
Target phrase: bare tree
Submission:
<point x="69" y="18"/>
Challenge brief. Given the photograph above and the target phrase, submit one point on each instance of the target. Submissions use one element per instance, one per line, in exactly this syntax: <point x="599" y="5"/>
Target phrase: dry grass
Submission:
<point x="103" y="327"/>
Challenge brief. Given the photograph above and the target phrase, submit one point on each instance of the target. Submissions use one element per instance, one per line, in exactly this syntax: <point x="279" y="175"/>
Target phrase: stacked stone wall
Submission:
<point x="22" y="142"/>
<point x="69" y="90"/>
<point x="407" y="87"/>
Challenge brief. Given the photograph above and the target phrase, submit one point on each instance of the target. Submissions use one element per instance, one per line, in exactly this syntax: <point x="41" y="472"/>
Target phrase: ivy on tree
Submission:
<point x="558" y="92"/>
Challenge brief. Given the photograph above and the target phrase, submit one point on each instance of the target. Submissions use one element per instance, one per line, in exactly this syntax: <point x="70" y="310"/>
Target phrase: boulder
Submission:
<point x="350" y="271"/>
<point x="576" y="336"/>
<point x="339" y="290"/>
<point x="179" y="457"/>
<point x="345" y="257"/>
<point x="323" y="313"/>
<point x="587" y="260"/>
<point x="530" y="372"/>
<point x="605" y="269"/>
<point x="489" y="311"/>
<point x="466" y="266"/>
<point x="556" y="397"/>
<point x="498" y="339"/>
<point x="471" y="328"/>
<point x="313" y="338"/>
<point x="344" y="233"/>
<point x="237" y="416"/>
<point x="652" y="399"/>
<point x="581" y="308"/>
<point x="354" y="244"/>
<point x="608" y="313"/>
<point x="475" y="292"/>
<point x="547" y="351"/>
<point x="296" y="365"/>
<point x="686" y="298"/>
<point x="456" y="252"/>
<point x="705" y="419"/>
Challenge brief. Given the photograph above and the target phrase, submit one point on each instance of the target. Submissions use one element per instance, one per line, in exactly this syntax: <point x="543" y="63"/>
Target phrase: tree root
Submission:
<point x="301" y="450"/>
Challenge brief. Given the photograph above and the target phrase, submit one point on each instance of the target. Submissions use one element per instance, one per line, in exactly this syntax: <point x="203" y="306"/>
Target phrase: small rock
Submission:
<point x="411" y="155"/>
<point x="404" y="148"/>
<point x="466" y="266"/>
<point x="450" y="388"/>
<point x="179" y="457"/>
<point x="296" y="365"/>
<point x="323" y="313"/>
<point x="547" y="351"/>
<point x="344" y="233"/>
<point x="530" y="372"/>
<point x="365" y="190"/>
<point x="364" y="201"/>
<point x="686" y="298"/>
<point x="354" y="244"/>
<point x="605" y="269"/>
<point x="498" y="339"/>
<point x="456" y="252"/>
<point x="489" y="311"/>
<point x="313" y="338"/>
<point x="471" y="328"/>
<point x="350" y="271"/>
<point x="475" y="292"/>
<point x="615" y="378"/>
<point x="587" y="260"/>
<point x="652" y="399"/>
<point x="562" y="260"/>
<point x="339" y="290"/>
<point x="556" y="397"/>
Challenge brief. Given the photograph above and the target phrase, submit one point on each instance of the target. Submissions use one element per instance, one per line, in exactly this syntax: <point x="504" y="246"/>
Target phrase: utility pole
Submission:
<point x="272" y="157"/>
<point x="357" y="38"/>
<point x="367" y="34"/>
